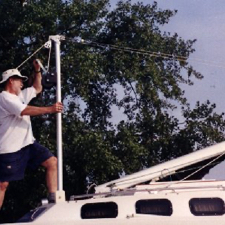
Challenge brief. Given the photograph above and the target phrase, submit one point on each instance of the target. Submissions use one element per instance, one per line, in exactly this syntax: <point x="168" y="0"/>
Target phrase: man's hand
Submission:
<point x="36" y="66"/>
<point x="57" y="107"/>
<point x="37" y="77"/>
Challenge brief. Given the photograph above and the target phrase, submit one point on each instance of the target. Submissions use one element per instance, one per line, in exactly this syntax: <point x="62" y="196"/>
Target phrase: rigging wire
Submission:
<point x="130" y="180"/>
<point x="144" y="52"/>
<point x="185" y="178"/>
<point x="128" y="50"/>
<point x="209" y="163"/>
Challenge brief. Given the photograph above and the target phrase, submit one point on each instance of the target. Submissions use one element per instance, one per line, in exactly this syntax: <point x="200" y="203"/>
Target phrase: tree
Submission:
<point x="124" y="47"/>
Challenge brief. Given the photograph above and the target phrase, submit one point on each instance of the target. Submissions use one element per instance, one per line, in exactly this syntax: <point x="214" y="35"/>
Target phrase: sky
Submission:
<point x="202" y="20"/>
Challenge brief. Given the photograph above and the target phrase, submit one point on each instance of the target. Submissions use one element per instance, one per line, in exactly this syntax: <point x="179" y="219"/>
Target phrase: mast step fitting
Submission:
<point x="60" y="196"/>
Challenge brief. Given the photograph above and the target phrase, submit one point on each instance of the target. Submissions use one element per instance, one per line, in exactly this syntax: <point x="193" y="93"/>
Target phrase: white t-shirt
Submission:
<point x="15" y="130"/>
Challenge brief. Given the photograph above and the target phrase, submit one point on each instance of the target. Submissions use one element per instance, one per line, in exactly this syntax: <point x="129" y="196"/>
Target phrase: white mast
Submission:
<point x="60" y="194"/>
<point x="164" y="169"/>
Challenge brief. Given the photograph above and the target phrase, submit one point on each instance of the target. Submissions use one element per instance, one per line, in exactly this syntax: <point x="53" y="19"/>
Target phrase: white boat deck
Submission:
<point x="179" y="195"/>
<point x="139" y="199"/>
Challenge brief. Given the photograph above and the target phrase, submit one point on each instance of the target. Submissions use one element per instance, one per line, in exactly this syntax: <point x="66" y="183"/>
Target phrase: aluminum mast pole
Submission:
<point x="60" y="194"/>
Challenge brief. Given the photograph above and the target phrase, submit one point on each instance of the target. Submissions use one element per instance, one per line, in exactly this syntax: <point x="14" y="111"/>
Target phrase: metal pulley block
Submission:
<point x="49" y="79"/>
<point x="48" y="44"/>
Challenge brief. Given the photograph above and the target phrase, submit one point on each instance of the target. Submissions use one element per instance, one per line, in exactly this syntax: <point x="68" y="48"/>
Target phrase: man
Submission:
<point x="18" y="148"/>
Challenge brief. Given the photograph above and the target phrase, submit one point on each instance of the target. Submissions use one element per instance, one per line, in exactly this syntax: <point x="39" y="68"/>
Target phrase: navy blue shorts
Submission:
<point x="13" y="165"/>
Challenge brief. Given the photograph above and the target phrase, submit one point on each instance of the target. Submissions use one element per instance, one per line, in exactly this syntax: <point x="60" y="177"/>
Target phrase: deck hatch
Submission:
<point x="161" y="207"/>
<point x="99" y="210"/>
<point x="206" y="206"/>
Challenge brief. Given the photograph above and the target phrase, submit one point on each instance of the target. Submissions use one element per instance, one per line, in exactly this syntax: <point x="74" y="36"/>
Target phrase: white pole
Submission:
<point x="59" y="118"/>
<point x="60" y="195"/>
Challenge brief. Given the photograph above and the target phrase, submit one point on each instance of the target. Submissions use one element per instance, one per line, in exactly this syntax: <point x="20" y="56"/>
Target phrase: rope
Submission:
<point x="130" y="180"/>
<point x="30" y="56"/>
<point x="202" y="167"/>
<point x="195" y="171"/>
<point x="49" y="56"/>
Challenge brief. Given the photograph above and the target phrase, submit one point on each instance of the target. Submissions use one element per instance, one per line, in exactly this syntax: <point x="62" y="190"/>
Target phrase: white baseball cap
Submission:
<point x="12" y="72"/>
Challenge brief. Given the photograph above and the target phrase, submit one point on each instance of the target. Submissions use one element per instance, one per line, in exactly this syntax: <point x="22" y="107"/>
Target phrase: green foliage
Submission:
<point x="95" y="149"/>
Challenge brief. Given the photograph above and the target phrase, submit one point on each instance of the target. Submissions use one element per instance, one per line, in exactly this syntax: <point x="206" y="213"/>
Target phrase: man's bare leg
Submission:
<point x="3" y="188"/>
<point x="51" y="174"/>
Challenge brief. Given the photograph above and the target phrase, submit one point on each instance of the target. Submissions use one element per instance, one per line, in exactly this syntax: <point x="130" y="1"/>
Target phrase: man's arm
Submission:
<point x="37" y="77"/>
<point x="35" y="111"/>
